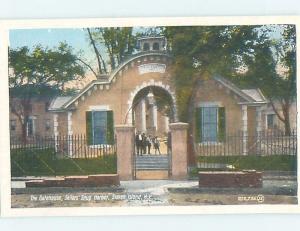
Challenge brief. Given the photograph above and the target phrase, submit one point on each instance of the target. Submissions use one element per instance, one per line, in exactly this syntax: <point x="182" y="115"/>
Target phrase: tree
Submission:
<point x="279" y="86"/>
<point x="36" y="73"/>
<point x="201" y="52"/>
<point x="118" y="42"/>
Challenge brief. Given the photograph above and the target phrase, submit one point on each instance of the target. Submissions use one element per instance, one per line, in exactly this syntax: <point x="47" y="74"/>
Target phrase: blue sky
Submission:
<point x="76" y="38"/>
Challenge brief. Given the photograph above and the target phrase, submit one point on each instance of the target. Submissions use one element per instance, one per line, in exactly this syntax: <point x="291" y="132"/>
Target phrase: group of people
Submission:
<point x="144" y="143"/>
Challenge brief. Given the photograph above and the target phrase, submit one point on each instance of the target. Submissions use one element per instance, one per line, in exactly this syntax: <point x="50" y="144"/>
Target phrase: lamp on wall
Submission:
<point x="150" y="97"/>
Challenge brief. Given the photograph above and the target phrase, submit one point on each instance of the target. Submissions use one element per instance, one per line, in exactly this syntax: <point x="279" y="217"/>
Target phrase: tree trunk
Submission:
<point x="192" y="160"/>
<point x="24" y="131"/>
<point x="286" y="115"/>
<point x="98" y="55"/>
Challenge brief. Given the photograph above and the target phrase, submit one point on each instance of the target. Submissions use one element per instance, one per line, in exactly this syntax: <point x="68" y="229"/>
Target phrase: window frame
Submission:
<point x="217" y="105"/>
<point x="215" y="124"/>
<point x="156" y="44"/>
<point x="273" y="120"/>
<point x="105" y="109"/>
<point x="13" y="124"/>
<point x="93" y="126"/>
<point x="33" y="122"/>
<point x="146" y="44"/>
<point x="47" y="125"/>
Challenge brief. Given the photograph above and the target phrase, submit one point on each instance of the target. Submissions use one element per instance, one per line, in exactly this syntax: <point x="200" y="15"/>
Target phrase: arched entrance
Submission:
<point x="152" y="109"/>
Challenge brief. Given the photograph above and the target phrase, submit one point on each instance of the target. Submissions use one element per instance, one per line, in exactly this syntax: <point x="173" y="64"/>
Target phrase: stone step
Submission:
<point x="152" y="165"/>
<point x="152" y="161"/>
<point x="152" y="168"/>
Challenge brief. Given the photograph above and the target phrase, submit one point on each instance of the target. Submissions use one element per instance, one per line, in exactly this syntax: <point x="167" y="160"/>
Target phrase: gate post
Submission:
<point x="179" y="134"/>
<point x="125" y="151"/>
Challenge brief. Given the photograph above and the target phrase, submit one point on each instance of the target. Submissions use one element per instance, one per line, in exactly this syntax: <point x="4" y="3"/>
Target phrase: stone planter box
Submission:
<point x="101" y="180"/>
<point x="229" y="179"/>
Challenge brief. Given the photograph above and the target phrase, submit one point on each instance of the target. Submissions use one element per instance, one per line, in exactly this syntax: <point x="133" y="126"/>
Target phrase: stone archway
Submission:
<point x="164" y="166"/>
<point x="150" y="84"/>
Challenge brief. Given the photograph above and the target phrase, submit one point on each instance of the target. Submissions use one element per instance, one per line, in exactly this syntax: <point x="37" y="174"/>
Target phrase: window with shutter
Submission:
<point x="210" y="124"/>
<point x="221" y="124"/>
<point x="198" y="119"/>
<point x="100" y="127"/>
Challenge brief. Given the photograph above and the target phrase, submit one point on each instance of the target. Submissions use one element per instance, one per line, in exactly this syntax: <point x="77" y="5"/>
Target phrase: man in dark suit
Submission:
<point x="144" y="143"/>
<point x="138" y="143"/>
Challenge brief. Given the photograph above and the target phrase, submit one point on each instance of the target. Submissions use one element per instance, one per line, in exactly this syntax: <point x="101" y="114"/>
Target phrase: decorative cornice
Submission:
<point x="114" y="75"/>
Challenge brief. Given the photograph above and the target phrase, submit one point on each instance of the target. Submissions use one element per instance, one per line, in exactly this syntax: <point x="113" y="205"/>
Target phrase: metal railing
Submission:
<point x="64" y="146"/>
<point x="265" y="151"/>
<point x="263" y="143"/>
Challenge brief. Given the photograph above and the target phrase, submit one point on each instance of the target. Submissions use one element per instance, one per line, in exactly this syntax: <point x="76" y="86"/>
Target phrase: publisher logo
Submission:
<point x="258" y="198"/>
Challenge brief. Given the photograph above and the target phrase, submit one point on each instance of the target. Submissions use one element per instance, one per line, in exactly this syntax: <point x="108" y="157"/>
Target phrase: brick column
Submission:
<point x="143" y="115"/>
<point x="154" y="117"/>
<point x="70" y="133"/>
<point x="125" y="150"/>
<point x="55" y="130"/>
<point x="245" y="128"/>
<point x="258" y="121"/>
<point x="258" y="129"/>
<point x="179" y="133"/>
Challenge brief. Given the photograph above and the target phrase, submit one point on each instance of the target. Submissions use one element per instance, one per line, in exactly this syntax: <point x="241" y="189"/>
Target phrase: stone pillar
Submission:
<point x="245" y="128"/>
<point x="55" y="130"/>
<point x="258" y="121"/>
<point x="179" y="133"/>
<point x="70" y="133"/>
<point x="166" y="124"/>
<point x="258" y="129"/>
<point x="154" y="116"/>
<point x="125" y="151"/>
<point x="143" y="115"/>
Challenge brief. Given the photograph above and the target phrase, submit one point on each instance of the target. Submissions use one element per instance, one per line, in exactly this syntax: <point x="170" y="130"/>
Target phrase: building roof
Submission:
<point x="251" y="96"/>
<point x="255" y="94"/>
<point x="58" y="102"/>
<point x="112" y="76"/>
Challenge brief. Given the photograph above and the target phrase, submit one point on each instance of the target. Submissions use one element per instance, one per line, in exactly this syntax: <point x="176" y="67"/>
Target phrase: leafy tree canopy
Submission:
<point x="200" y="52"/>
<point x="43" y="69"/>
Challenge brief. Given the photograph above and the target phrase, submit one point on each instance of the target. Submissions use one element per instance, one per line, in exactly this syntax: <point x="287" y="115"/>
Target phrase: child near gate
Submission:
<point x="156" y="145"/>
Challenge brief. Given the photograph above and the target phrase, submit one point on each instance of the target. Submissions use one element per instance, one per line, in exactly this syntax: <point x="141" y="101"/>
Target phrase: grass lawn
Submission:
<point x="44" y="163"/>
<point x="259" y="163"/>
<point x="266" y="163"/>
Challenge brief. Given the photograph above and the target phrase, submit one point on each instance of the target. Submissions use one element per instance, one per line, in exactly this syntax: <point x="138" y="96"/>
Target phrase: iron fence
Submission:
<point x="63" y="146"/>
<point x="263" y="143"/>
<point x="266" y="151"/>
<point x="60" y="155"/>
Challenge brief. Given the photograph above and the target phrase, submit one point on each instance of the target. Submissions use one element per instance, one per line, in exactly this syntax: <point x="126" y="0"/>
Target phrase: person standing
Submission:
<point x="156" y="145"/>
<point x="138" y="143"/>
<point x="149" y="144"/>
<point x="144" y="143"/>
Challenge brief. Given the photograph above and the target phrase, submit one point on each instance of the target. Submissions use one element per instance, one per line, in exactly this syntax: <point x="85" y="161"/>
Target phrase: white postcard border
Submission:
<point x="6" y="25"/>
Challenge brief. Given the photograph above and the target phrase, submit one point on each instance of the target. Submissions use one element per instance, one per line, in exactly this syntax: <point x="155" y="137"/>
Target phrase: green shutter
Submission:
<point x="221" y="124"/>
<point x="110" y="127"/>
<point x="198" y="123"/>
<point x="89" y="127"/>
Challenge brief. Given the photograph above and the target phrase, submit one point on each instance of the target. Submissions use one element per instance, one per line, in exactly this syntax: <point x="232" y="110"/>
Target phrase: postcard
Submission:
<point x="149" y="116"/>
